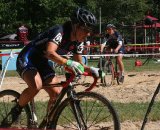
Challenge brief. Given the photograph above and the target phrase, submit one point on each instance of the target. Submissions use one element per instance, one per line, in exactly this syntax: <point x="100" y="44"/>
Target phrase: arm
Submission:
<point x="93" y="70"/>
<point x="78" y="58"/>
<point x="102" y="47"/>
<point x="118" y="47"/>
<point x="104" y="41"/>
<point x="52" y="54"/>
<point x="120" y="42"/>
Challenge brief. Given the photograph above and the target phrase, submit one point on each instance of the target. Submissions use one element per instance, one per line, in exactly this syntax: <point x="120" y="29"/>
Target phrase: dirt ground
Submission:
<point x="137" y="87"/>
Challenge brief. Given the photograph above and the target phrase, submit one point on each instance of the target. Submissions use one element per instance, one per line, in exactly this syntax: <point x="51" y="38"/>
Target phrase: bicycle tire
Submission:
<point x="8" y="99"/>
<point x="109" y="74"/>
<point x="64" y="118"/>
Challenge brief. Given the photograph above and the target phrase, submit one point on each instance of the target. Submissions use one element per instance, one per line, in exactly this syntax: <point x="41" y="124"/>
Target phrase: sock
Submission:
<point x="122" y="73"/>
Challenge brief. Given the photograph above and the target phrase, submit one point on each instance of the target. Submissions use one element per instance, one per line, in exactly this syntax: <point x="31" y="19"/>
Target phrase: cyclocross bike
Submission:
<point x="72" y="110"/>
<point x="110" y="68"/>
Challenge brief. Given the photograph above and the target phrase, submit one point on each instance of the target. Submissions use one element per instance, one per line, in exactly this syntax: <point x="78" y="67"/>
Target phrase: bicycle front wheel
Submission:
<point x="8" y="99"/>
<point x="97" y="112"/>
<point x="109" y="74"/>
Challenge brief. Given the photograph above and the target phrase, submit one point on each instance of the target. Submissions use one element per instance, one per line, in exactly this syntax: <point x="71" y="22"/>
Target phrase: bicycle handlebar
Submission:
<point x="73" y="76"/>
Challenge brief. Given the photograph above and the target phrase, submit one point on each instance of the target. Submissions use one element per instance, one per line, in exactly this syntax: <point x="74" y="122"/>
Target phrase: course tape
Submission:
<point x="154" y="45"/>
<point x="148" y="44"/>
<point x="100" y="55"/>
<point x="125" y="55"/>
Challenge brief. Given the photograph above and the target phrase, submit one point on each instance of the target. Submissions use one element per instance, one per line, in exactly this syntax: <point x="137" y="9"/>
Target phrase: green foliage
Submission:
<point x="128" y="11"/>
<point x="41" y="14"/>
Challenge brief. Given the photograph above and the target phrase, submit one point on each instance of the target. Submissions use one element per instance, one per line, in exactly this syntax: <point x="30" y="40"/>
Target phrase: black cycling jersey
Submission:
<point x="32" y="55"/>
<point x="59" y="35"/>
<point x="113" y="41"/>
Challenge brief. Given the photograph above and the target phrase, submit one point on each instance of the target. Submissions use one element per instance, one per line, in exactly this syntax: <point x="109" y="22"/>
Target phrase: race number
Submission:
<point x="58" y="39"/>
<point x="80" y="48"/>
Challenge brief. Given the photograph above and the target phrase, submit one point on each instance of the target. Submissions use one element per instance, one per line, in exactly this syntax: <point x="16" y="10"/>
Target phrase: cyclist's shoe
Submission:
<point x="15" y="113"/>
<point x="121" y="79"/>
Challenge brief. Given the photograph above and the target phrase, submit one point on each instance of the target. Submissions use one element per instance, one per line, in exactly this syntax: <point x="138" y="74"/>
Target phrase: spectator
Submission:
<point x="22" y="34"/>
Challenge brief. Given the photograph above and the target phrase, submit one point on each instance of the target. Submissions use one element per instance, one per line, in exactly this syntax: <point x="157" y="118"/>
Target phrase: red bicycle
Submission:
<point x="72" y="110"/>
<point x="110" y="67"/>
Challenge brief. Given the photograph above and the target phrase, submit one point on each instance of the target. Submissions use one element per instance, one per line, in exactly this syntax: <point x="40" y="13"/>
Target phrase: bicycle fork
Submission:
<point x="75" y="105"/>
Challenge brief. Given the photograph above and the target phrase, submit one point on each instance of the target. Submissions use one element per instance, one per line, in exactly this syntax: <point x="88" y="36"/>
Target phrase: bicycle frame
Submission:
<point x="114" y="66"/>
<point x="67" y="89"/>
<point x="111" y="69"/>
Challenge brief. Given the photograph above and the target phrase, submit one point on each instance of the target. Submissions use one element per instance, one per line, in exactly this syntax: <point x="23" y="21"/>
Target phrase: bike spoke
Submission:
<point x="87" y="117"/>
<point x="69" y="120"/>
<point x="86" y="110"/>
<point x="8" y="100"/>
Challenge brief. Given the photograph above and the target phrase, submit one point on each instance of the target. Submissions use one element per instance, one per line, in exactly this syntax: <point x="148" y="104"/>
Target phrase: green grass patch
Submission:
<point x="11" y="73"/>
<point x="126" y="111"/>
<point x="136" y="111"/>
<point x="129" y="65"/>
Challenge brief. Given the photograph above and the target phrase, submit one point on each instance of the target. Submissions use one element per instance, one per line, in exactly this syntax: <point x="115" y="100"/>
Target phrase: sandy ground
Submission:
<point x="137" y="87"/>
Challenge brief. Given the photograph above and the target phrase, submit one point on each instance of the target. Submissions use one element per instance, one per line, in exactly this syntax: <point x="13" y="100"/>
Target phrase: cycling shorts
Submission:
<point x="121" y="50"/>
<point x="31" y="59"/>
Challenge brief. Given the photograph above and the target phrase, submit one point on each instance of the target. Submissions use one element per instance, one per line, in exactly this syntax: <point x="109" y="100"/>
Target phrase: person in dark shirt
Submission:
<point x="32" y="62"/>
<point x="114" y="41"/>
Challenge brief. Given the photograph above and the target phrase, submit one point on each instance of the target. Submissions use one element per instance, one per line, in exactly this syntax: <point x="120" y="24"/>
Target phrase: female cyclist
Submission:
<point x="32" y="62"/>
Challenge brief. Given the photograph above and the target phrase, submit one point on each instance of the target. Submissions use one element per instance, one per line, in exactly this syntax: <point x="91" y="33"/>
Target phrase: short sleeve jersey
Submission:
<point x="60" y="35"/>
<point x="112" y="40"/>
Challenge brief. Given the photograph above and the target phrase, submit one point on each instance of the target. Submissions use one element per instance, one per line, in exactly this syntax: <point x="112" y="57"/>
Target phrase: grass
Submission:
<point x="129" y="65"/>
<point x="126" y="111"/>
<point x="11" y="73"/>
<point x="136" y="111"/>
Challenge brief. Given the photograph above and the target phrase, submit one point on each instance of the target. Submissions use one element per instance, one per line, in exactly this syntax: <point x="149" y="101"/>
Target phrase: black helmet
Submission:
<point x="83" y="17"/>
<point x="110" y="26"/>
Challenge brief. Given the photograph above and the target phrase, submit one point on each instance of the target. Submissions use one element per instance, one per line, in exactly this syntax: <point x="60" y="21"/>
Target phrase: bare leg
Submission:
<point x="52" y="91"/>
<point x="120" y="64"/>
<point x="34" y="82"/>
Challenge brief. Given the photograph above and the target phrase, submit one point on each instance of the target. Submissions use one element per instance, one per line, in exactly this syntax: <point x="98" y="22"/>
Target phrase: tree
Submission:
<point x="41" y="14"/>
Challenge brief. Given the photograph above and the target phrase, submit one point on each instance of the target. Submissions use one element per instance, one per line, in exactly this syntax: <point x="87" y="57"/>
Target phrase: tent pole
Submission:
<point x="135" y="35"/>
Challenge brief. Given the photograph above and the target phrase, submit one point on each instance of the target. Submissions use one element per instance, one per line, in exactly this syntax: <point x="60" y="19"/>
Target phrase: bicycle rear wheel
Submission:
<point x="109" y="74"/>
<point x="8" y="99"/>
<point x="96" y="110"/>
